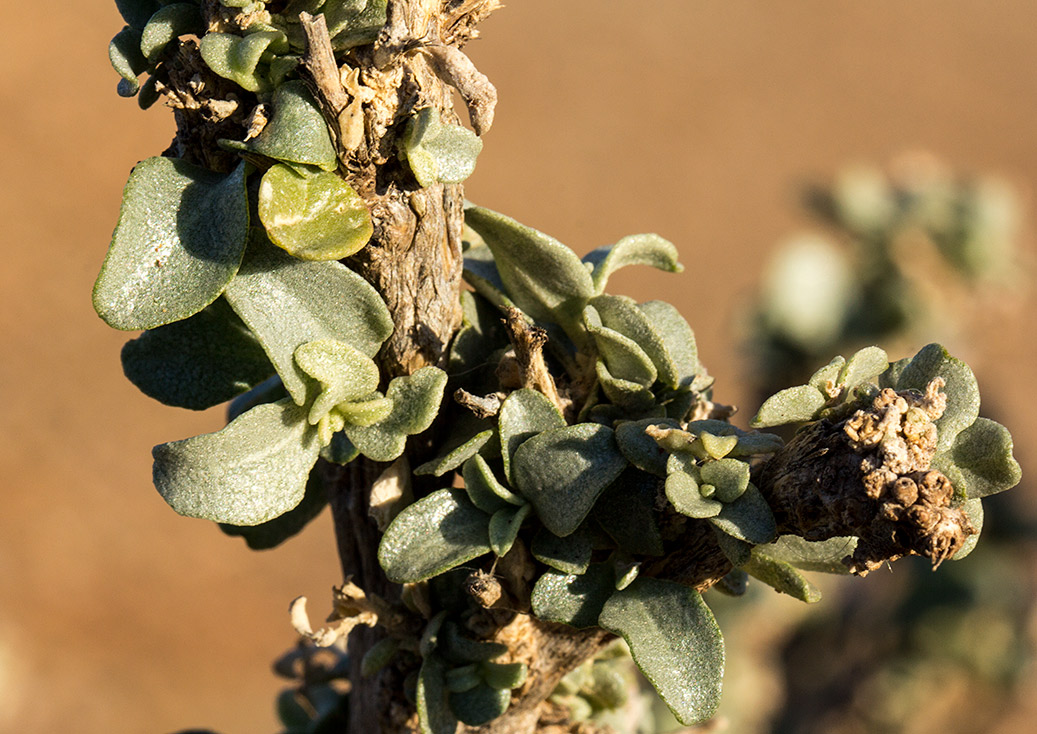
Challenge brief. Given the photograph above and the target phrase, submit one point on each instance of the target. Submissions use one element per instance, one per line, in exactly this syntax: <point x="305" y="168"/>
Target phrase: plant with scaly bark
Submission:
<point x="519" y="472"/>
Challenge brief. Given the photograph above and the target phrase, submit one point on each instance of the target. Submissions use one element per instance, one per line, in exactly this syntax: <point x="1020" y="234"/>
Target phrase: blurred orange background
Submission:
<point x="697" y="120"/>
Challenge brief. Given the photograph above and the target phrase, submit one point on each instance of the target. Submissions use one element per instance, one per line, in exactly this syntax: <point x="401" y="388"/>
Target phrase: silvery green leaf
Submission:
<point x="573" y="599"/>
<point x="677" y="338"/>
<point x="171" y="21"/>
<point x="455" y="457"/>
<point x="735" y="550"/>
<point x="438" y="152"/>
<point x="961" y="388"/>
<point x="829" y="373"/>
<point x="237" y="58"/>
<point x="268" y="391"/>
<point x="480" y="705"/>
<point x="340" y="451"/>
<point x="625" y="359"/>
<point x="983" y="454"/>
<point x="433" y="535"/>
<point x="459" y="649"/>
<point x="178" y="243"/>
<point x="253" y="470"/>
<point x="748" y="518"/>
<point x="782" y="577"/>
<point x="504" y="676"/>
<point x="636" y="249"/>
<point x="682" y="490"/>
<point x="472" y="350"/>
<point x="504" y="527"/>
<point x="366" y="412"/>
<point x="312" y="214"/>
<point x="752" y="444"/>
<point x="136" y="13"/>
<point x="287" y="302"/>
<point x="622" y="314"/>
<point x="864" y="365"/>
<point x="524" y="414"/>
<point x="639" y="448"/>
<point x="729" y="476"/>
<point x="674" y="640"/>
<point x="571" y="554"/>
<point x="415" y="402"/>
<point x="791" y="405"/>
<point x="272" y="533"/>
<point x="562" y="471"/>
<point x="297" y="133"/>
<point x="825" y="556"/>
<point x="891" y="376"/>
<point x="631" y="396"/>
<point x="541" y="275"/>
<point x="973" y="509"/>
<point x="344" y="372"/>
<point x="464" y="678"/>
<point x="434" y="713"/>
<point x="717" y="447"/>
<point x="360" y="29"/>
<point x="626" y="512"/>
<point x="196" y="363"/>
<point x="484" y="490"/>
<point x="126" y="58"/>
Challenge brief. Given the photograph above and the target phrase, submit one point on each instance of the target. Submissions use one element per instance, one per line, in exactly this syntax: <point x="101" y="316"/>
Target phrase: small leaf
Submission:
<point x="464" y="678"/>
<point x="484" y="490"/>
<point x="562" y="472"/>
<point x="674" y="640"/>
<point x="729" y="476"/>
<point x="677" y="338"/>
<point x="974" y="511"/>
<point x="433" y="535"/>
<point x="983" y="454"/>
<point x="480" y="705"/>
<point x="415" y="399"/>
<point x="570" y="555"/>
<point x="439" y="152"/>
<point x="237" y="58"/>
<point x="136" y="13"/>
<point x="272" y="533"/>
<point x="252" y="471"/>
<point x="782" y="577"/>
<point x="434" y="713"/>
<point x="863" y="366"/>
<point x="504" y="676"/>
<point x="748" y="518"/>
<point x="198" y="362"/>
<point x="365" y="412"/>
<point x="637" y="249"/>
<point x="287" y="302"/>
<point x="625" y="359"/>
<point x="575" y="600"/>
<point x="378" y="656"/>
<point x="639" y="448"/>
<point x="542" y="276"/>
<point x="344" y="372"/>
<point x="961" y="388"/>
<point x="630" y="396"/>
<point x="178" y="243"/>
<point x="455" y="457"/>
<point x="171" y="21"/>
<point x="791" y="405"/>
<point x="359" y="29"/>
<point x="126" y="58"/>
<point x="683" y="492"/>
<point x="457" y="648"/>
<point x="825" y="556"/>
<point x="504" y="527"/>
<point x="524" y="414"/>
<point x="735" y="550"/>
<point x="622" y="314"/>
<point x="313" y="215"/>
<point x="626" y="511"/>
<point x="297" y="133"/>
<point x="828" y="374"/>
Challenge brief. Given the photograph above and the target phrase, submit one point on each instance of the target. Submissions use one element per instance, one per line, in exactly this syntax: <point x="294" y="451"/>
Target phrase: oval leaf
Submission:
<point x="438" y="152"/>
<point x="791" y="405"/>
<point x="178" y="243"/>
<point x="313" y="215"/>
<point x="562" y="471"/>
<point x="415" y="402"/>
<point x="433" y="535"/>
<point x="504" y="528"/>
<point x="344" y="373"/>
<point x="126" y="58"/>
<point x="272" y="533"/>
<point x="170" y="22"/>
<point x="961" y="388"/>
<point x="575" y="600"/>
<point x="674" y="640"/>
<point x="825" y="556"/>
<point x="635" y="249"/>
<point x="455" y="457"/>
<point x="863" y="366"/>
<point x="729" y="476"/>
<point x="237" y="58"/>
<point x="782" y="577"/>
<point x="677" y="338"/>
<point x="524" y="414"/>
<point x="297" y="133"/>
<point x="748" y="518"/>
<point x="250" y="472"/>
<point x="570" y="555"/>
<point x="983" y="455"/>
<point x="484" y="490"/>
<point x="434" y="714"/>
<point x="625" y="359"/>
<point x="480" y="705"/>
<point x="623" y="315"/>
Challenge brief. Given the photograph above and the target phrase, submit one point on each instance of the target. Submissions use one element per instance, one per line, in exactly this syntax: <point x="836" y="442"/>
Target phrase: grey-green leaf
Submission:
<point x="253" y="470"/>
<point x="674" y="640"/>
<point x="455" y="457"/>
<point x="434" y="713"/>
<point x="825" y="556"/>
<point x="983" y="454"/>
<point x="236" y="58"/>
<point x="297" y="133"/>
<point x="126" y="58"/>
<point x="504" y="527"/>
<point x="439" y="152"/>
<point x="791" y="405"/>
<point x="682" y="490"/>
<point x="287" y="302"/>
<point x="178" y="243"/>
<point x="961" y="388"/>
<point x="628" y="395"/>
<point x="344" y="372"/>
<point x="625" y="359"/>
<point x="626" y="512"/>
<point x="677" y="338"/>
<point x="748" y="518"/>
<point x="573" y="599"/>
<point x="272" y="533"/>
<point x="635" y="249"/>
<point x="829" y="373"/>
<point x="639" y="448"/>
<point x="415" y="402"/>
<point x="562" y="472"/>
<point x="137" y="12"/>
<point x="433" y="535"/>
<point x="483" y="489"/>
<point x="782" y="577"/>
<point x="524" y="414"/>
<point x="542" y="276"/>
<point x="729" y="476"/>
<point x="171" y="21"/>
<point x="198" y="362"/>
<point x="570" y="555"/>
<point x="622" y="314"/>
<point x="864" y="365"/>
<point x="504" y="676"/>
<point x="480" y="705"/>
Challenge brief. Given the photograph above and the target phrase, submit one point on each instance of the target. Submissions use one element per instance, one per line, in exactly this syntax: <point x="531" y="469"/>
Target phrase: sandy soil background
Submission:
<point x="696" y="120"/>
